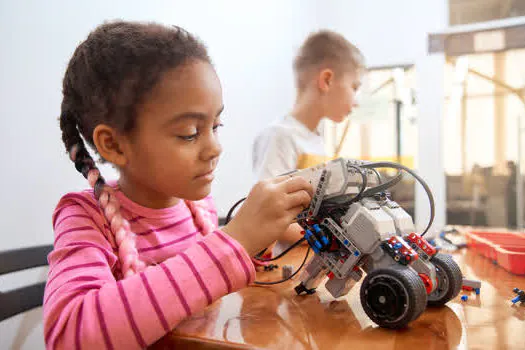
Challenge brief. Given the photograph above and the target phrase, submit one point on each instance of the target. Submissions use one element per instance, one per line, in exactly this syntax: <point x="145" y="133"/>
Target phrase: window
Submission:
<point x="474" y="11"/>
<point x="481" y="149"/>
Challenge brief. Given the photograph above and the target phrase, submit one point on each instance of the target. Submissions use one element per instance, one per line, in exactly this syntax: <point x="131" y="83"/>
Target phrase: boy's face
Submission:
<point x="174" y="148"/>
<point x="340" y="97"/>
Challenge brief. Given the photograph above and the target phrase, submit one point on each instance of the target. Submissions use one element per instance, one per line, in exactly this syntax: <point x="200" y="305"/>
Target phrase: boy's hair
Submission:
<point x="326" y="49"/>
<point x="108" y="76"/>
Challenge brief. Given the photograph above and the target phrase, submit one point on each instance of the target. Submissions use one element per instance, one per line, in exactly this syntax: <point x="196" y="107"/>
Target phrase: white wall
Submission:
<point x="388" y="32"/>
<point x="252" y="45"/>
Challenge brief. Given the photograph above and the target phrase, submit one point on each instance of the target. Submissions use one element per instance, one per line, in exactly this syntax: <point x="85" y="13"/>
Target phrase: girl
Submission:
<point x="133" y="258"/>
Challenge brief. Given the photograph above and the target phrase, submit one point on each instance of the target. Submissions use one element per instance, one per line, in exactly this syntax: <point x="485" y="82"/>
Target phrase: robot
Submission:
<point x="354" y="226"/>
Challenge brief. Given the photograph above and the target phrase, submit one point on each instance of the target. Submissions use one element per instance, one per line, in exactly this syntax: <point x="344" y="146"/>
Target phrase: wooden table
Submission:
<point x="276" y="318"/>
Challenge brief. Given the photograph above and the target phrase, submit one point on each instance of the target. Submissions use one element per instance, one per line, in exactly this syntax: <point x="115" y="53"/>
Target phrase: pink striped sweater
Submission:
<point x="87" y="305"/>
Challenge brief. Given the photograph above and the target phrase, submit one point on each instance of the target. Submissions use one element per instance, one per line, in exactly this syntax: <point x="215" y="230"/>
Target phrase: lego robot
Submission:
<point x="354" y="226"/>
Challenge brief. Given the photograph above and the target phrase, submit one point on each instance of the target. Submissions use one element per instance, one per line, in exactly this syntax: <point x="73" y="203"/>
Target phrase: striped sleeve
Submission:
<point x="85" y="307"/>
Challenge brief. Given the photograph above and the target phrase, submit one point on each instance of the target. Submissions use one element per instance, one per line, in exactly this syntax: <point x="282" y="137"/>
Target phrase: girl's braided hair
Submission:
<point x="107" y="77"/>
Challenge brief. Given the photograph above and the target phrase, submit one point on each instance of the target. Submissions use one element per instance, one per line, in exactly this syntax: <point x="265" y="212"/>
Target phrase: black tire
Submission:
<point x="393" y="297"/>
<point x="449" y="278"/>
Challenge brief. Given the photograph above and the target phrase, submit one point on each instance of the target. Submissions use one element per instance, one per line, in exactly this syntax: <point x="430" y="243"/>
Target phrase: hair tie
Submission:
<point x="99" y="187"/>
<point x="73" y="152"/>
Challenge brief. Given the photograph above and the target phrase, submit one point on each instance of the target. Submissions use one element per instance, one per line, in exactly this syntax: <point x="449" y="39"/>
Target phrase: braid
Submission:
<point x="107" y="77"/>
<point x="104" y="194"/>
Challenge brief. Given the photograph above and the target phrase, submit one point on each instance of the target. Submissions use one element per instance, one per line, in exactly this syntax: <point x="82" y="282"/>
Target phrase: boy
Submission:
<point x="328" y="71"/>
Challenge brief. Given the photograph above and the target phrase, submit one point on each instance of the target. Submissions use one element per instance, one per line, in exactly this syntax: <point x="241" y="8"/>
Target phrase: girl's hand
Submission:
<point x="269" y="209"/>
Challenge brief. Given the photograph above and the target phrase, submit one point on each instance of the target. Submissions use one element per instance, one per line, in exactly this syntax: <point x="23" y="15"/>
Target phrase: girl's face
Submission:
<point x="174" y="148"/>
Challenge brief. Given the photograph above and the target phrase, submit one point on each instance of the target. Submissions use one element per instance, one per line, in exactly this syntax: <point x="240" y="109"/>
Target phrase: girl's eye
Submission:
<point x="216" y="127"/>
<point x="193" y="137"/>
<point x="189" y="137"/>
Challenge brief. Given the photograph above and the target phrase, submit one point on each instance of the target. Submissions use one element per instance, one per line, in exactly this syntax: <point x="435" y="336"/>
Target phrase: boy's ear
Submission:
<point x="325" y="79"/>
<point x="109" y="145"/>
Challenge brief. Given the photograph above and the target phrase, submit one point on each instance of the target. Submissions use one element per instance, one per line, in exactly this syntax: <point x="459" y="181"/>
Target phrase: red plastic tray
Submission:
<point x="507" y="249"/>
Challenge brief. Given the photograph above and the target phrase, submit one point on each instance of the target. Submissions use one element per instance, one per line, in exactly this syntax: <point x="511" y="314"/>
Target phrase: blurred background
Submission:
<point x="444" y="94"/>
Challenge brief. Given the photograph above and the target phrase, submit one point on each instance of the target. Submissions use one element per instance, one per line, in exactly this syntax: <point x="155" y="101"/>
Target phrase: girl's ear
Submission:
<point x="109" y="145"/>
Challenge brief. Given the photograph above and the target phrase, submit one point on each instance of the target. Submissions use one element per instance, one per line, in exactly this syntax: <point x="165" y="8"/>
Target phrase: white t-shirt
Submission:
<point x="278" y="147"/>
